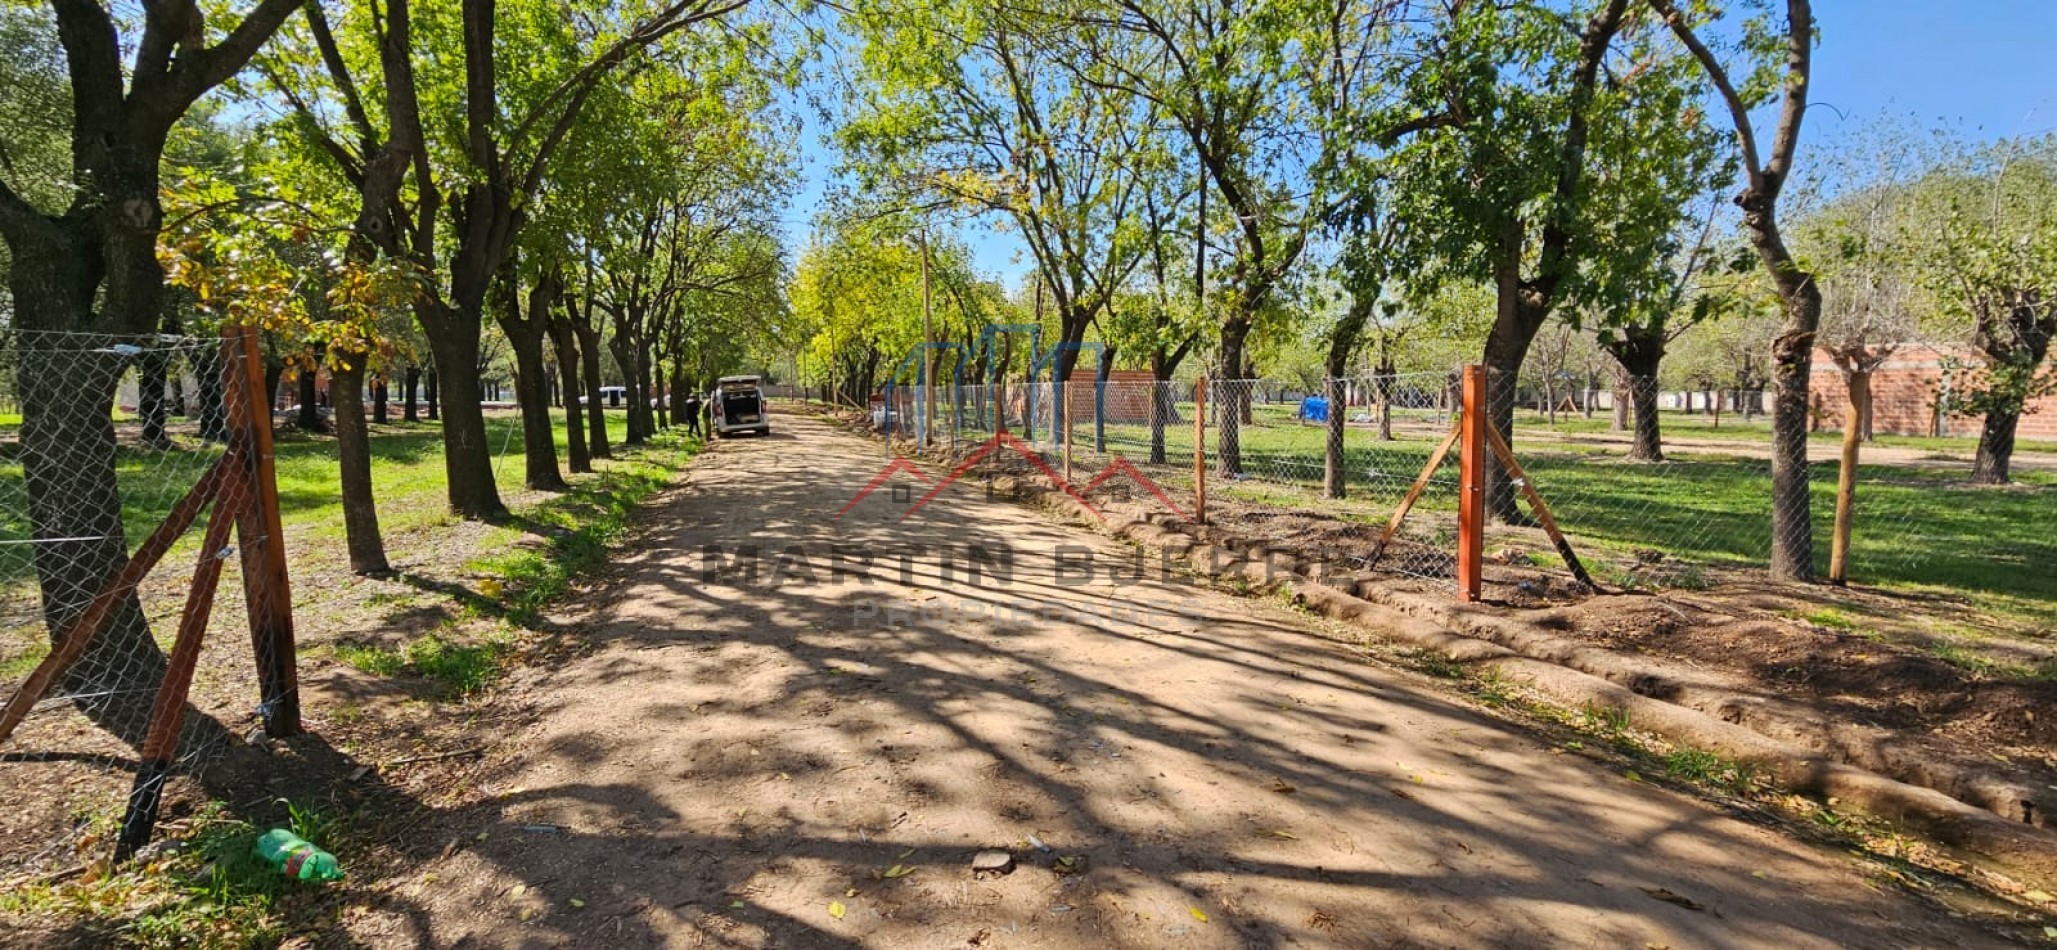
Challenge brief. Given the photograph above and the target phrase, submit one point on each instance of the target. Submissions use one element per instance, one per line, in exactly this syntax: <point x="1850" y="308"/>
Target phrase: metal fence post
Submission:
<point x="1471" y="491"/>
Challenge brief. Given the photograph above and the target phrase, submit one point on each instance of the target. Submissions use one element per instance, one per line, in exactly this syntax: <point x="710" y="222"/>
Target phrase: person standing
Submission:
<point x="692" y="414"/>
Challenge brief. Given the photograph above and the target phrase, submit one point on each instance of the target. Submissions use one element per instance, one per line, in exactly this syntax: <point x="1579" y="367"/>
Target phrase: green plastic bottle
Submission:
<point x="297" y="857"/>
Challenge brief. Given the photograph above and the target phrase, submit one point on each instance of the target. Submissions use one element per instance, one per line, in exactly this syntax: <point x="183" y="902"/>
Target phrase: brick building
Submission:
<point x="1903" y="398"/>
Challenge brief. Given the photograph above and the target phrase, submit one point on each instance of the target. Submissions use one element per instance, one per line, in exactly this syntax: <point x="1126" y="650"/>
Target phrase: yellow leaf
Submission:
<point x="1282" y="834"/>
<point x="898" y="870"/>
<point x="836" y="909"/>
<point x="575" y="902"/>
<point x="2040" y="897"/>
<point x="1198" y="914"/>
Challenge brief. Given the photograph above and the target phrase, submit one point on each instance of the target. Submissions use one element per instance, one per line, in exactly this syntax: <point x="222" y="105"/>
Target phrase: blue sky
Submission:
<point x="1985" y="68"/>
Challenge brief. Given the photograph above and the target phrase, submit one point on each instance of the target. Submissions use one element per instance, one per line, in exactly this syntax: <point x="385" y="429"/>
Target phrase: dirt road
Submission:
<point x="810" y="757"/>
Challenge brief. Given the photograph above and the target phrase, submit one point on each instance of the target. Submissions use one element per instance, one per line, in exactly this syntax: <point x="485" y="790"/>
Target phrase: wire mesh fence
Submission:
<point x="112" y="449"/>
<point x="1653" y="487"/>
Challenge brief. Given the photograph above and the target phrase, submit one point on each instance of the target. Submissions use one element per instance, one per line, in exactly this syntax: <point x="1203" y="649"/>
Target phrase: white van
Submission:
<point x="737" y="405"/>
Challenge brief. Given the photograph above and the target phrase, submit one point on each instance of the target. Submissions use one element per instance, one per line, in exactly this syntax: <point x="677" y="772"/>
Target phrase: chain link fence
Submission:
<point x="127" y="510"/>
<point x="1653" y="487"/>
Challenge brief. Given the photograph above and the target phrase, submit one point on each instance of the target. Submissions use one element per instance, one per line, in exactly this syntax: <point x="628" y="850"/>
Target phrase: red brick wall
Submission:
<point x="1903" y="398"/>
<point x="1128" y="395"/>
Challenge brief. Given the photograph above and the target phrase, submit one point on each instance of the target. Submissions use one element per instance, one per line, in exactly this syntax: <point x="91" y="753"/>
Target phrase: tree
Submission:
<point x="1765" y="175"/>
<point x="1234" y="79"/>
<point x="971" y="102"/>
<point x="1993" y="265"/>
<point x="856" y="299"/>
<point x="1861" y="246"/>
<point x="1163" y="322"/>
<point x="483" y="173"/>
<point x="1550" y="183"/>
<point x="1689" y="284"/>
<point x="87" y="262"/>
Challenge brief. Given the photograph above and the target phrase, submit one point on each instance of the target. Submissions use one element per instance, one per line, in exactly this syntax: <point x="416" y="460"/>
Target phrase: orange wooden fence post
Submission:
<point x="1200" y="450"/>
<point x="1471" y="490"/>
<point x="261" y="536"/>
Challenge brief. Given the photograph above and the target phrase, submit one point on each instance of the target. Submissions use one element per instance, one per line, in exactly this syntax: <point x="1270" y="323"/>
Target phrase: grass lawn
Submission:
<point x="408" y="476"/>
<point x="1919" y="527"/>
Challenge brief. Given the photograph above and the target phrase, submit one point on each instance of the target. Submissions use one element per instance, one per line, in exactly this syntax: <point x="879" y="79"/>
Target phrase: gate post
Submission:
<point x="1471" y="490"/>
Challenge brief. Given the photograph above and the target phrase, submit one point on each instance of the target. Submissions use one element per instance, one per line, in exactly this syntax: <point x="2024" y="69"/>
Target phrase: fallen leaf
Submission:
<point x="2050" y="932"/>
<point x="575" y="902"/>
<point x="526" y="913"/>
<point x="517" y="890"/>
<point x="850" y="893"/>
<point x="2040" y="897"/>
<point x="1198" y="914"/>
<point x="1280" y="786"/>
<point x="904" y="854"/>
<point x="1282" y="834"/>
<point x="1632" y="776"/>
<point x="898" y="870"/>
<point x="1403" y="793"/>
<point x="736" y="905"/>
<point x="836" y="909"/>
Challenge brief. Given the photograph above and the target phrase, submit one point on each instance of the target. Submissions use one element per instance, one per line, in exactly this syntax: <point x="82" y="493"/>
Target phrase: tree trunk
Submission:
<point x="565" y="340"/>
<point x="631" y="379"/>
<point x="379" y="411"/>
<point x="1506" y="348"/>
<point x="1231" y="396"/>
<point x="646" y="388"/>
<point x="211" y="406"/>
<point x="68" y="466"/>
<point x="1382" y="383"/>
<point x="410" y="393"/>
<point x="1341" y="343"/>
<point x="596" y="415"/>
<point x="467" y="454"/>
<point x="309" y="418"/>
<point x="431" y="393"/>
<point x="1639" y="355"/>
<point x="176" y="379"/>
<point x="353" y="451"/>
<point x="150" y="380"/>
<point x="1622" y="395"/>
<point x="661" y="408"/>
<point x="1995" y="448"/>
<point x="1335" y="475"/>
<point x="525" y="334"/>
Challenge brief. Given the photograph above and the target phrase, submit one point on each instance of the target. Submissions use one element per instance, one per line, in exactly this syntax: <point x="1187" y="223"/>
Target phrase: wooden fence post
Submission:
<point x="260" y="534"/>
<point x="1471" y="491"/>
<point x="1846" y="478"/>
<point x="1200" y="450"/>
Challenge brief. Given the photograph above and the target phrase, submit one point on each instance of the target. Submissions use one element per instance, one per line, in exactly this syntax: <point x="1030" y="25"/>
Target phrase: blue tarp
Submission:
<point x="1314" y="409"/>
